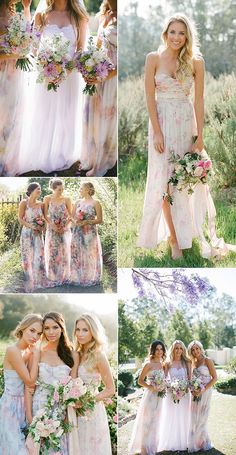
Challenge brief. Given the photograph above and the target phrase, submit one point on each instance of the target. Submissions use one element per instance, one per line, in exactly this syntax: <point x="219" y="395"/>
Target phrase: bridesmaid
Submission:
<point x="175" y="420"/>
<point x="203" y="367"/>
<point x="86" y="251"/>
<point x="99" y="145"/>
<point x="31" y="240"/>
<point x="57" y="209"/>
<point x="93" y="433"/>
<point x="57" y="361"/>
<point x="16" y="374"/>
<point x="11" y="88"/>
<point x="145" y="435"/>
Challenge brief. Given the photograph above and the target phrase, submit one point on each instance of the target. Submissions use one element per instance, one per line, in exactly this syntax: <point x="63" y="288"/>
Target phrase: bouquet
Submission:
<point x="188" y="171"/>
<point x="196" y="385"/>
<point x="178" y="389"/>
<point x="93" y="63"/>
<point x="60" y="221"/>
<point x="81" y="215"/>
<point x="71" y="392"/>
<point x="158" y="381"/>
<point x="53" y="61"/>
<point x="39" y="222"/>
<point x="47" y="429"/>
<point x="20" y="39"/>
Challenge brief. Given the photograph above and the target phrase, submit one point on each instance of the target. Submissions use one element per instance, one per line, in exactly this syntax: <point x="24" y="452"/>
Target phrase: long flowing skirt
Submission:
<point x="57" y="256"/>
<point x="198" y="435"/>
<point x="33" y="262"/>
<point x="99" y="143"/>
<point x="145" y="435"/>
<point x="93" y="432"/>
<point x="175" y="424"/>
<point x="12" y="422"/>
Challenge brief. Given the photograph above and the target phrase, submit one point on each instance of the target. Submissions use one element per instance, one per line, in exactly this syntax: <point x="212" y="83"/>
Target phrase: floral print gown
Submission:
<point x="99" y="144"/>
<point x="12" y="416"/>
<point x="198" y="435"/>
<point x="93" y="431"/>
<point x="145" y="435"/>
<point x="86" y="251"/>
<point x="32" y="251"/>
<point x="57" y="246"/>
<point x="175" y="417"/>
<point x="50" y="375"/>
<point x="177" y="121"/>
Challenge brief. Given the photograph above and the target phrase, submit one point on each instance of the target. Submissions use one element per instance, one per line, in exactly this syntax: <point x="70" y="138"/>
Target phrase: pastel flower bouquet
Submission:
<point x="193" y="168"/>
<point x="178" y="389"/>
<point x="158" y="381"/>
<point x="196" y="385"/>
<point x="73" y="392"/>
<point x="39" y="222"/>
<point x="53" y="61"/>
<point x="47" y="429"/>
<point x="93" y="64"/>
<point x="20" y="40"/>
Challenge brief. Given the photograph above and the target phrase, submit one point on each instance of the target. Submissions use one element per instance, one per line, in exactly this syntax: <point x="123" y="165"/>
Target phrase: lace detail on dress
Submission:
<point x="169" y="87"/>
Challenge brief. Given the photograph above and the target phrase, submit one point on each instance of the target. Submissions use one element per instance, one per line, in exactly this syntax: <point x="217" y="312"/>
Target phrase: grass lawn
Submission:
<point x="12" y="278"/>
<point x="130" y="213"/>
<point x="222" y="425"/>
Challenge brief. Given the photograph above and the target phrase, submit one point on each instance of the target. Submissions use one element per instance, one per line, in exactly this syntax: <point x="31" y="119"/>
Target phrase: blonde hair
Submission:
<point x="90" y="187"/>
<point x="190" y="346"/>
<point x="99" y="340"/>
<point x="104" y="8"/>
<point x="184" y="357"/>
<point x="190" y="49"/>
<point x="77" y="12"/>
<point x="28" y="320"/>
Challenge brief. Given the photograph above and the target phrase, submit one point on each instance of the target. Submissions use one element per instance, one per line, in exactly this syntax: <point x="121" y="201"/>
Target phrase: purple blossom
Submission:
<point x="50" y="71"/>
<point x="102" y="69"/>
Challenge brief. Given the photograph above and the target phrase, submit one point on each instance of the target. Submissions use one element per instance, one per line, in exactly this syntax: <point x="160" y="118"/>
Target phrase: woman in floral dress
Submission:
<point x="99" y="144"/>
<point x="31" y="240"/>
<point x="93" y="432"/>
<point x="145" y="435"/>
<point x="86" y="252"/>
<point x="176" y="414"/>
<point x="16" y="375"/>
<point x="58" y="234"/>
<point x="175" y="122"/>
<point x="11" y="82"/>
<point x="203" y="367"/>
<point x="57" y="361"/>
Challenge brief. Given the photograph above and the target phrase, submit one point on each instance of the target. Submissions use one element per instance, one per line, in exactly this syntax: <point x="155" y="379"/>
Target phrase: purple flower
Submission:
<point x="50" y="71"/>
<point x="102" y="69"/>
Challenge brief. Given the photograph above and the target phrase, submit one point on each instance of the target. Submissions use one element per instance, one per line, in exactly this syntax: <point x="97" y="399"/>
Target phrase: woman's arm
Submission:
<point x="142" y="376"/>
<point x="199" y="70"/>
<point x="107" y="379"/>
<point x="26" y="4"/>
<point x="74" y="369"/>
<point x="99" y="218"/>
<point x="213" y="373"/>
<point x="21" y="215"/>
<point x="14" y="358"/>
<point x="83" y="31"/>
<point x="150" y="71"/>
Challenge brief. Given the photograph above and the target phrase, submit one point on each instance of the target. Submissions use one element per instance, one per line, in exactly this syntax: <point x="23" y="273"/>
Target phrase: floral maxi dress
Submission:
<point x="57" y="245"/>
<point x="86" y="251"/>
<point x="32" y="251"/>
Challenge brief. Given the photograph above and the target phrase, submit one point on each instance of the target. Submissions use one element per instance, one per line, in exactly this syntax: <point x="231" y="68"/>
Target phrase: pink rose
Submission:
<point x="65" y="380"/>
<point x="56" y="396"/>
<point x="115" y="418"/>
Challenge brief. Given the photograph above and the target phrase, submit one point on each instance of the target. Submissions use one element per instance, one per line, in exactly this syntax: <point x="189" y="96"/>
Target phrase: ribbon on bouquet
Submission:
<point x="32" y="447"/>
<point x="73" y="434"/>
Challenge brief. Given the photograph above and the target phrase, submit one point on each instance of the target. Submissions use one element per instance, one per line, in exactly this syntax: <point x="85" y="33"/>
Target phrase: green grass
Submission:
<point x="222" y="421"/>
<point x="131" y="197"/>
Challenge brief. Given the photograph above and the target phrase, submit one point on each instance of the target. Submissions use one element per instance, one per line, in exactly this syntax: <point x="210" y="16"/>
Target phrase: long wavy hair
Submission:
<point x="77" y="12"/>
<point x="98" y="342"/>
<point x="152" y="349"/>
<point x="184" y="357"/>
<point x="64" y="348"/>
<point x="190" y="346"/>
<point x="11" y="8"/>
<point x="190" y="49"/>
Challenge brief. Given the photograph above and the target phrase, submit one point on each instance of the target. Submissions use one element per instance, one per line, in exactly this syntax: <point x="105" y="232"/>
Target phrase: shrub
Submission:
<point x="121" y="389"/>
<point x="231" y="367"/>
<point x="1" y="380"/>
<point x="10" y="226"/>
<point x="226" y="385"/>
<point x="135" y="377"/>
<point x="126" y="377"/>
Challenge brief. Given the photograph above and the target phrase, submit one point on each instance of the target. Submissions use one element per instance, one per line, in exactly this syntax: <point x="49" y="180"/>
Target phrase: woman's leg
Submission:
<point x="175" y="251"/>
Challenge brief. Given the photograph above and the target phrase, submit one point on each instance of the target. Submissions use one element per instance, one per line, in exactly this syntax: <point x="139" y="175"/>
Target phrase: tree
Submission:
<point x="128" y="335"/>
<point x="178" y="329"/>
<point x="204" y="334"/>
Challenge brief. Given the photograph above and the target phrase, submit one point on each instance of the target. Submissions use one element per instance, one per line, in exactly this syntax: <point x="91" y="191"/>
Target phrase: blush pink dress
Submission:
<point x="178" y="124"/>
